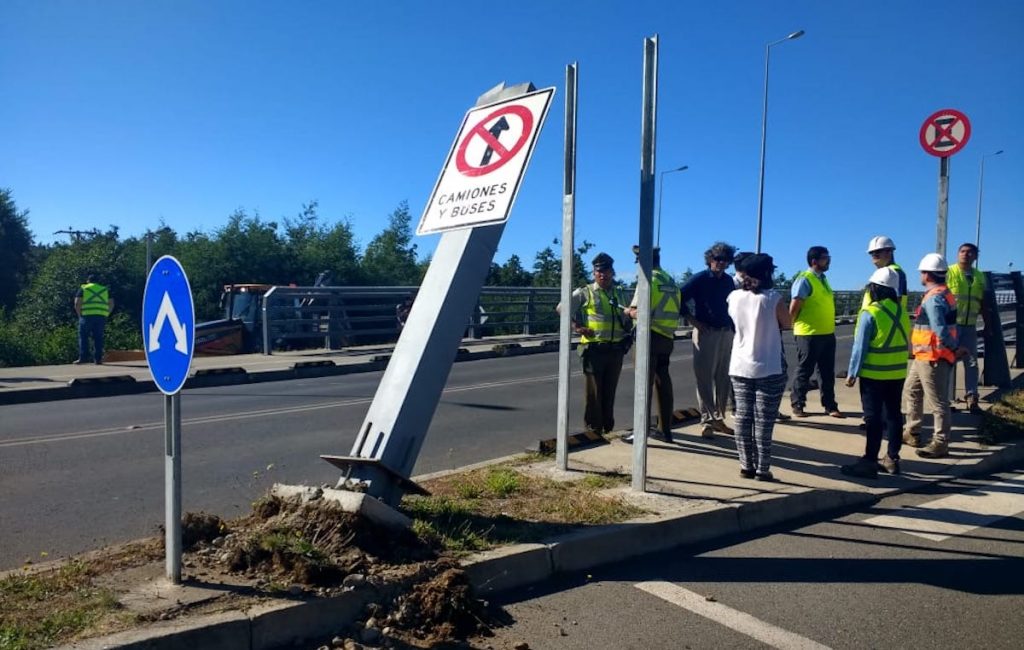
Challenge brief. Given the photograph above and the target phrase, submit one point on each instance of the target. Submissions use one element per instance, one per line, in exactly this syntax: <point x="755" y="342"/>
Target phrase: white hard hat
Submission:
<point x="933" y="262"/>
<point x="886" y="277"/>
<point x="880" y="242"/>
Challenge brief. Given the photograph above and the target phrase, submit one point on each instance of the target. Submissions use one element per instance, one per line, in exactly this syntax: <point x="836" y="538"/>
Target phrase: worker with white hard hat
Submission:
<point x="882" y="250"/>
<point x="935" y="346"/>
<point x="879" y="358"/>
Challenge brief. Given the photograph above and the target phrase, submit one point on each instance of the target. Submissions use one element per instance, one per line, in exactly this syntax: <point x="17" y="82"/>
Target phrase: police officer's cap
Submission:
<point x="603" y="262"/>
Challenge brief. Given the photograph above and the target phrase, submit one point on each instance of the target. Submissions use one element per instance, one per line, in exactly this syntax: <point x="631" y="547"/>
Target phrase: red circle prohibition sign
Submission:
<point x="945" y="132"/>
<point x="494" y="148"/>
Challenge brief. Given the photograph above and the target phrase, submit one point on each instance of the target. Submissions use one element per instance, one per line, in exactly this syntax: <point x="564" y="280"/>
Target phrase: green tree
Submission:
<point x="390" y="257"/>
<point x="512" y="274"/>
<point x="547" y="267"/>
<point x="314" y="247"/>
<point x="16" y="247"/>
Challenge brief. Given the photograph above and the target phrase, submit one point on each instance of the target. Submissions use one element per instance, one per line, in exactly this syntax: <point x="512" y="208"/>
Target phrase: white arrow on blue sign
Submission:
<point x="168" y="324"/>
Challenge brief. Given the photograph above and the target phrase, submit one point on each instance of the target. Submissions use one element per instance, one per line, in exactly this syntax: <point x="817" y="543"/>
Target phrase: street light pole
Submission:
<point x="981" y="189"/>
<point x="661" y="196"/>
<point x="764" y="131"/>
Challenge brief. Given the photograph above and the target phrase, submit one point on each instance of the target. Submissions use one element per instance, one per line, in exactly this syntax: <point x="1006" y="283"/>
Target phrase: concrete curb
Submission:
<point x="510" y="567"/>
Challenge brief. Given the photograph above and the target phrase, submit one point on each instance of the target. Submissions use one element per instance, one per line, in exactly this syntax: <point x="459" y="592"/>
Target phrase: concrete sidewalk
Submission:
<point x="695" y="495"/>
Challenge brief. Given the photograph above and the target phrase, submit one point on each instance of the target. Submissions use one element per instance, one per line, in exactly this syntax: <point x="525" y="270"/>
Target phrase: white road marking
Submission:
<point x="733" y="619"/>
<point x="957" y="514"/>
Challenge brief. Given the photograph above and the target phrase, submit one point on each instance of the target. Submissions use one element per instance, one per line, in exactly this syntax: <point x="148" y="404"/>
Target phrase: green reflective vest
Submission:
<point x="665" y="304"/>
<point x="95" y="300"/>
<point x="968" y="294"/>
<point x="818" y="313"/>
<point x="887" y="351"/>
<point x="603" y="314"/>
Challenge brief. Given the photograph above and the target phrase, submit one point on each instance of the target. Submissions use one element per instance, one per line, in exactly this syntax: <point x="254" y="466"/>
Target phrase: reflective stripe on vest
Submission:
<point x="968" y="294"/>
<point x="602" y="313"/>
<point x="887" y="350"/>
<point x="665" y="298"/>
<point x="925" y="343"/>
<point x="818" y="312"/>
<point x="95" y="300"/>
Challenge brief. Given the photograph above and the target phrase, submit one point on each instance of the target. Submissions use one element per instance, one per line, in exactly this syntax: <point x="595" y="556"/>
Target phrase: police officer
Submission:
<point x="879" y="358"/>
<point x="93" y="305"/>
<point x="600" y="320"/>
<point x="967" y="284"/>
<point x="935" y="347"/>
<point x="664" y="321"/>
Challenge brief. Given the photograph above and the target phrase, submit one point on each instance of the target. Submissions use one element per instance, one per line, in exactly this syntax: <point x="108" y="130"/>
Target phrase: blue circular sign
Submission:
<point x="168" y="324"/>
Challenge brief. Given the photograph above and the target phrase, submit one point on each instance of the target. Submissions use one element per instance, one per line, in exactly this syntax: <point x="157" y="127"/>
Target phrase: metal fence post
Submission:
<point x="266" y="320"/>
<point x="1018" y="293"/>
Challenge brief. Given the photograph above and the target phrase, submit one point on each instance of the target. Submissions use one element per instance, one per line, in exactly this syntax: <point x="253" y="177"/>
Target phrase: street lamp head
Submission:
<point x="998" y="152"/>
<point x="796" y="34"/>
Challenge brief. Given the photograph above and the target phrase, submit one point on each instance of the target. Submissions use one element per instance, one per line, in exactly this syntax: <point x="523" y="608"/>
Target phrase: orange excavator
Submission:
<point x="240" y="331"/>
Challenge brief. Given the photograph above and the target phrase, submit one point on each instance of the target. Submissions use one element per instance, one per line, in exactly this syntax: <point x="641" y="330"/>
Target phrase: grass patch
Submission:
<point x="497" y="505"/>
<point x="1005" y="419"/>
<point x="41" y="609"/>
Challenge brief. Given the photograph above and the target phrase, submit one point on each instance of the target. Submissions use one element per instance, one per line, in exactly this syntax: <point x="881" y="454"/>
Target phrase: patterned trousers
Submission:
<point x="757" y="404"/>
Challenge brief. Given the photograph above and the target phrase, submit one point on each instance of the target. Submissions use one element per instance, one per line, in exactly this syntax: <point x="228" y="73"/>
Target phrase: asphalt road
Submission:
<point x="864" y="580"/>
<point x="77" y="474"/>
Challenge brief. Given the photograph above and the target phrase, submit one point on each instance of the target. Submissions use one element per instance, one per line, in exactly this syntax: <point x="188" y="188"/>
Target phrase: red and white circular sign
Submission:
<point x="945" y="132"/>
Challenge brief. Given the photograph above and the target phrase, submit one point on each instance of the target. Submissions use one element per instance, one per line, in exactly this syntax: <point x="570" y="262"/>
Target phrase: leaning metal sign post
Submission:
<point x="943" y="134"/>
<point x="168" y="336"/>
<point x="469" y="205"/>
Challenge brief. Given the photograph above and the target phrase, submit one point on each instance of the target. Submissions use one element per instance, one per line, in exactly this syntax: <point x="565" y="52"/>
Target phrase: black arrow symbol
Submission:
<point x="496" y="130"/>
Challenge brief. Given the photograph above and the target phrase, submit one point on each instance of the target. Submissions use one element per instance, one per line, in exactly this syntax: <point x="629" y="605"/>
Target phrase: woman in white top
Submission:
<point x="755" y="366"/>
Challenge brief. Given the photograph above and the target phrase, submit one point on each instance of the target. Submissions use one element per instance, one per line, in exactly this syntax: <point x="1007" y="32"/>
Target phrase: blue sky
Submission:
<point x="131" y="112"/>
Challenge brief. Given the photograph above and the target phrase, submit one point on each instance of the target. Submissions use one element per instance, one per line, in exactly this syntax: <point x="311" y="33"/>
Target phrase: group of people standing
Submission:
<point x="739" y="362"/>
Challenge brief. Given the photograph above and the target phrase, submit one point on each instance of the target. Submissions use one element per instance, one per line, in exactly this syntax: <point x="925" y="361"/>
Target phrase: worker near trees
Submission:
<point x="967" y="284"/>
<point x="712" y="335"/>
<point x="813" y="309"/>
<point x="664" y="321"/>
<point x="600" y="320"/>
<point x="93" y="305"/>
<point x="935" y="347"/>
<point x="879" y="358"/>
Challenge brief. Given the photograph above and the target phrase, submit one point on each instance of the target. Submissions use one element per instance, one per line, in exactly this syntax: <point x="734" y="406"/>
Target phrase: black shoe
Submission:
<point x="747" y="473"/>
<point x="782" y="417"/>
<point x="861" y="469"/>
<point x="798" y="412"/>
<point x="765" y="476"/>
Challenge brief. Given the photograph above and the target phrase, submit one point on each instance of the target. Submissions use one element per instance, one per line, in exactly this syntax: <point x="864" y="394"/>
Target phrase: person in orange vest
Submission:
<point x="936" y="348"/>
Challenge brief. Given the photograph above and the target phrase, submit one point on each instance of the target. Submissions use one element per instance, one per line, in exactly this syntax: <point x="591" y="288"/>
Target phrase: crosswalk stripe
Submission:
<point x="742" y="622"/>
<point x="957" y="514"/>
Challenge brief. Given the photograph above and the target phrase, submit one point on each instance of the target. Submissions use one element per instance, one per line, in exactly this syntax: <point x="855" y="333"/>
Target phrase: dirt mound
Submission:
<point x="314" y="544"/>
<point x="200" y="527"/>
<point x="441" y="608"/>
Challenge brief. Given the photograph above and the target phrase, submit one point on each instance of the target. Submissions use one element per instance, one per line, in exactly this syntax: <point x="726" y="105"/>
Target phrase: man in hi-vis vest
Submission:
<point x="93" y="305"/>
<point x="813" y="308"/>
<point x="967" y="285"/>
<point x="600" y="320"/>
<point x="936" y="347"/>
<point x="664" y="321"/>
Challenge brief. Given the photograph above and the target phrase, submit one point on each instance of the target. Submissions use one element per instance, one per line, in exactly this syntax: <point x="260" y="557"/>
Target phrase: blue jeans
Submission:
<point x="90" y="326"/>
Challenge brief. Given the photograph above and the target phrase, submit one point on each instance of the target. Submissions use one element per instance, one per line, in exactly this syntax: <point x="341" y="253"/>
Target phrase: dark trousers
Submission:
<point x="816" y="351"/>
<point x="90" y="327"/>
<point x="602" y="364"/>
<point x="661" y="353"/>
<point x="882" y="400"/>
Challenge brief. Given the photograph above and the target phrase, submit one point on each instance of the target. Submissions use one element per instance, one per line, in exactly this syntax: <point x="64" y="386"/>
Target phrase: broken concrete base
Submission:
<point x="354" y="502"/>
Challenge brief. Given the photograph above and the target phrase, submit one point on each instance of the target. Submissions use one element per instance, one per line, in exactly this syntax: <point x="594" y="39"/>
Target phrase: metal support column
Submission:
<point x="568" y="240"/>
<point x="943" y="207"/>
<point x="172" y="486"/>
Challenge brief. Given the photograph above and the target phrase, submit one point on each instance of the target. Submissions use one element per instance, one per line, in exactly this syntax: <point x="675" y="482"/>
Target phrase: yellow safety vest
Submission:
<point x="903" y="298"/>
<point x="603" y="315"/>
<point x="887" y="350"/>
<point x="665" y="298"/>
<point x="95" y="300"/>
<point x="818" y="312"/>
<point x="968" y="294"/>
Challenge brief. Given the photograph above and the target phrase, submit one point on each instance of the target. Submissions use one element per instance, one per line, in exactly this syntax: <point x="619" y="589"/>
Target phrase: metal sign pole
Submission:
<point x="642" y="376"/>
<point x="940" y="228"/>
<point x="568" y="240"/>
<point x="172" y="486"/>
